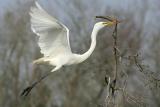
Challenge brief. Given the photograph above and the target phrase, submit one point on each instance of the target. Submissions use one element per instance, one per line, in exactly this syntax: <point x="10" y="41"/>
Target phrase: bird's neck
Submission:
<point x="92" y="46"/>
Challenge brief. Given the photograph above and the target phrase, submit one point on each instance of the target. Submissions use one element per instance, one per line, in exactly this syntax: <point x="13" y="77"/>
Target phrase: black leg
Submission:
<point x="27" y="90"/>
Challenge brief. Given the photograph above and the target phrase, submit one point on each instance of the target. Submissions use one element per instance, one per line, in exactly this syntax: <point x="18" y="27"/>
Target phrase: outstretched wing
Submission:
<point x="53" y="36"/>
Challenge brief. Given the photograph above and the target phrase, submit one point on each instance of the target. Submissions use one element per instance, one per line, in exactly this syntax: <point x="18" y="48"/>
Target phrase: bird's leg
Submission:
<point x="56" y="68"/>
<point x="27" y="90"/>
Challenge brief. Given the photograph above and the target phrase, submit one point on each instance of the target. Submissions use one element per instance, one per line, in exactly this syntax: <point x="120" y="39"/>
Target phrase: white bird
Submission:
<point x="54" y="39"/>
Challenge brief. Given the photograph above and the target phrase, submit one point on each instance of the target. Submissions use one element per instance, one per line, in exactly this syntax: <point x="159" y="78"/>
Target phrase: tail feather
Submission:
<point x="38" y="61"/>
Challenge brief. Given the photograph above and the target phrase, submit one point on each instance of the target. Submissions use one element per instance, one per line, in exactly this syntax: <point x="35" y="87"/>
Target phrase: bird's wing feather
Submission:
<point x="53" y="36"/>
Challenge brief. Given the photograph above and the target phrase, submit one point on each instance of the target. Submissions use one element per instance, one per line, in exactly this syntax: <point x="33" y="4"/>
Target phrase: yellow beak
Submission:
<point x="109" y="23"/>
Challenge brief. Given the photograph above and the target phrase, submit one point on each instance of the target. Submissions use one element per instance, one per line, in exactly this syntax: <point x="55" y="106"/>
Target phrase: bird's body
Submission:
<point x="69" y="58"/>
<point x="62" y="59"/>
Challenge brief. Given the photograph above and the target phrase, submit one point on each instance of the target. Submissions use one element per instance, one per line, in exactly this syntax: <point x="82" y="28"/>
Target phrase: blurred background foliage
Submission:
<point x="79" y="85"/>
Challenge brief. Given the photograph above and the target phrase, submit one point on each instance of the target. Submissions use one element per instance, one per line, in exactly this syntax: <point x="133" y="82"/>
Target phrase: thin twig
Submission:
<point x="114" y="35"/>
<point x="109" y="18"/>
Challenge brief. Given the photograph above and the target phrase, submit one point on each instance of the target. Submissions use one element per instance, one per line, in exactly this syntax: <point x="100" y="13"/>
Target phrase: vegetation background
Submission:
<point x="81" y="85"/>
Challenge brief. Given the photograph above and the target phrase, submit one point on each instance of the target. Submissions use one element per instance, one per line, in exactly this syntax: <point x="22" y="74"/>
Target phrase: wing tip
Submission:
<point x="38" y="5"/>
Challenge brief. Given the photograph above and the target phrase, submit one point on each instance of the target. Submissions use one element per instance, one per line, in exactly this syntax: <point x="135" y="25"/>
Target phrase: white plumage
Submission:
<point x="54" y="39"/>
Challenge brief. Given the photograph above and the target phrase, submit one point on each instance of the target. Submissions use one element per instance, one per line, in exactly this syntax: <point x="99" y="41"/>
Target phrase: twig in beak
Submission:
<point x="111" y="19"/>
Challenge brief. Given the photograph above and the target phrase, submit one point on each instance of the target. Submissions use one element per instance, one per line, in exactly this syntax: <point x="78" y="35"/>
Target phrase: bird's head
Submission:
<point x="105" y="24"/>
<point x="110" y="21"/>
<point x="101" y="25"/>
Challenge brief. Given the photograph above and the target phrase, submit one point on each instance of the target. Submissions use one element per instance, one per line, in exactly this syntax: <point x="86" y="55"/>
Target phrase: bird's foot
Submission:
<point x="26" y="91"/>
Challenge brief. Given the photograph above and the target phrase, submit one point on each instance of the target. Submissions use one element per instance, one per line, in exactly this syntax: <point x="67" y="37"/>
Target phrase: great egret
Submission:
<point x="54" y="41"/>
